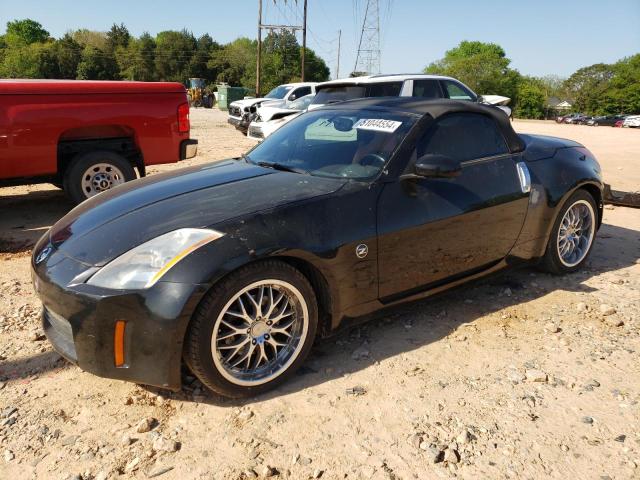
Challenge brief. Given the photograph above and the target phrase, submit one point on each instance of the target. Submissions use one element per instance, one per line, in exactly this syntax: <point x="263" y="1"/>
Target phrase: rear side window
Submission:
<point x="338" y="94"/>
<point x="390" y="89"/>
<point x="455" y="91"/>
<point x="463" y="136"/>
<point x="426" y="89"/>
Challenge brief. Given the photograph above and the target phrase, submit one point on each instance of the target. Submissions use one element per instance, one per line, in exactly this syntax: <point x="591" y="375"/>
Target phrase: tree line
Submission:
<point x="27" y="50"/>
<point x="600" y="89"/>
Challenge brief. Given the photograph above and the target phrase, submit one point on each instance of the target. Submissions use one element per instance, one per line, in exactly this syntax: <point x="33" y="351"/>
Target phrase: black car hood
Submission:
<point x="112" y="223"/>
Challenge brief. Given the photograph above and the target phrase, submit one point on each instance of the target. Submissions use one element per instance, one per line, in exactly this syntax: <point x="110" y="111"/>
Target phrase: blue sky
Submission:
<point x="540" y="36"/>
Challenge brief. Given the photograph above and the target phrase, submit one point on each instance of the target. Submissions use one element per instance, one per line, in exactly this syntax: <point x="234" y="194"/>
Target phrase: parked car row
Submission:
<point x="601" y="120"/>
<point x="259" y="117"/>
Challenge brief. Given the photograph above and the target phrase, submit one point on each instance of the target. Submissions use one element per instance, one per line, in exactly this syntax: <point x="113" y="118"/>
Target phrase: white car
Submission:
<point x="632" y="121"/>
<point x="269" y="118"/>
<point x="404" y="85"/>
<point x="241" y="112"/>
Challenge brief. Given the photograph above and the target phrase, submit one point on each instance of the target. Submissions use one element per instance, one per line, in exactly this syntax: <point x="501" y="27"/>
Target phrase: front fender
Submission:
<point x="320" y="235"/>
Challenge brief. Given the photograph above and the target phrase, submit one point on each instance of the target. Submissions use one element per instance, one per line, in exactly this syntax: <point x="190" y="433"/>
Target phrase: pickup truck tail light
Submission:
<point x="183" y="118"/>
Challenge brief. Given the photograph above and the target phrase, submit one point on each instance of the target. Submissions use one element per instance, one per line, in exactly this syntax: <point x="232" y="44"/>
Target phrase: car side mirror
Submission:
<point x="437" y="166"/>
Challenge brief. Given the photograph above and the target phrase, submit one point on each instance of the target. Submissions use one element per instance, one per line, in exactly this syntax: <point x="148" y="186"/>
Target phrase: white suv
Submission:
<point x="401" y="85"/>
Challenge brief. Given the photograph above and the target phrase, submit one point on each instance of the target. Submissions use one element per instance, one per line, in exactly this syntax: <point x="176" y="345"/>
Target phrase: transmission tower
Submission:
<point x="368" y="58"/>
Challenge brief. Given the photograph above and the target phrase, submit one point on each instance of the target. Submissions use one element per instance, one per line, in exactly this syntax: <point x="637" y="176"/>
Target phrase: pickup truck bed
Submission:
<point x="89" y="136"/>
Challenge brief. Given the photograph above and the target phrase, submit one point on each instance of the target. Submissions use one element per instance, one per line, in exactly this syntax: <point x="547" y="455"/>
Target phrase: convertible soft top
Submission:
<point x="436" y="108"/>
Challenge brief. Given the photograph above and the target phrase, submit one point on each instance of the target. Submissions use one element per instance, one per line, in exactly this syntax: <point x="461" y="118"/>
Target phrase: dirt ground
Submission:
<point x="523" y="376"/>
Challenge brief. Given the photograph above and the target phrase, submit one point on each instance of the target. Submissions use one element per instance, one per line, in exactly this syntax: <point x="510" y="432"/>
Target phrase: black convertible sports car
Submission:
<point x="237" y="266"/>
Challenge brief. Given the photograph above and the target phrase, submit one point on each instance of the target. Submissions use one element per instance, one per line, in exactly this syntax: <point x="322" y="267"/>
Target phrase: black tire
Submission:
<point x="73" y="177"/>
<point x="551" y="262"/>
<point x="198" y="352"/>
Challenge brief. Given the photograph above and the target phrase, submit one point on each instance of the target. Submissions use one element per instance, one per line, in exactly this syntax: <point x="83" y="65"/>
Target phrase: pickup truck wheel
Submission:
<point x="94" y="172"/>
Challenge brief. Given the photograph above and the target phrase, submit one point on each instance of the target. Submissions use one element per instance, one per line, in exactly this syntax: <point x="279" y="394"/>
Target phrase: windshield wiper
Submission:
<point x="281" y="167"/>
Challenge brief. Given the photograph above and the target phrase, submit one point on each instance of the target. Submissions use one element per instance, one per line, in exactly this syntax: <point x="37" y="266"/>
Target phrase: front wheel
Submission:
<point x="572" y="235"/>
<point x="252" y="330"/>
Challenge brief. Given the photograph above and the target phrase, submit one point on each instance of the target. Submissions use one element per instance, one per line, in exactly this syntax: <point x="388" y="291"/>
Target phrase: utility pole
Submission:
<point x="304" y="38"/>
<point x="368" y="57"/>
<point x="271" y="28"/>
<point x="258" y="59"/>
<point x="338" y="65"/>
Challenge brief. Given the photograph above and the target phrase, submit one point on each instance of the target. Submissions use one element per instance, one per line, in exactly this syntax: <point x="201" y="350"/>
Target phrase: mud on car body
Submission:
<point x="236" y="267"/>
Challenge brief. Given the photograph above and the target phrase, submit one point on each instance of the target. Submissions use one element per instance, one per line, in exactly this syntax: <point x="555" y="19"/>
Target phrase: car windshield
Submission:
<point x="302" y="103"/>
<point x="337" y="143"/>
<point x="278" y="92"/>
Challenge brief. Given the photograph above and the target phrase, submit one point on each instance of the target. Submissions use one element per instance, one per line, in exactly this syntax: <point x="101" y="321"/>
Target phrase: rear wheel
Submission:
<point x="572" y="235"/>
<point x="252" y="330"/>
<point x="95" y="172"/>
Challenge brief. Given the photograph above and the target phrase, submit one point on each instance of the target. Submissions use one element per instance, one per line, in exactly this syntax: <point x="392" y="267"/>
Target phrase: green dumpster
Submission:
<point x="227" y="95"/>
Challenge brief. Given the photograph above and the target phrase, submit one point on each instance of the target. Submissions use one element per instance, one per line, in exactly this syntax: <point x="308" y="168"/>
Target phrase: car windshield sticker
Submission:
<point x="377" y="124"/>
<point x="324" y="129"/>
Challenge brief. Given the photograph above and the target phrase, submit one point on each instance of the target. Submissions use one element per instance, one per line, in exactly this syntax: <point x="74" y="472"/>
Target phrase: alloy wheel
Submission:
<point x="260" y="332"/>
<point x="576" y="233"/>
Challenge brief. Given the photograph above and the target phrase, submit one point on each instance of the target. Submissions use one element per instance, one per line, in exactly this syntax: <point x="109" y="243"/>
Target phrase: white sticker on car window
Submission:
<point x="377" y="124"/>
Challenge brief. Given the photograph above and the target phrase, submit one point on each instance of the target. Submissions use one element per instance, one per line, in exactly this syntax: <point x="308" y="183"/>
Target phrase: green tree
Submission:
<point x="235" y="62"/>
<point x="531" y="100"/>
<point x="25" y="32"/>
<point x="199" y="64"/>
<point x="118" y="36"/>
<point x="90" y="38"/>
<point x="624" y="94"/>
<point x="137" y="60"/>
<point x="174" y="51"/>
<point x="482" y="66"/>
<point x="68" y="54"/>
<point x="588" y="86"/>
<point x="35" y="60"/>
<point x="95" y="64"/>
<point x="315" y="68"/>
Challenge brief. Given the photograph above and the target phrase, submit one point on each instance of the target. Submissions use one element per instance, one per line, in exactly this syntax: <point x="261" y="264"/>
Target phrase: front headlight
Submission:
<point x="142" y="266"/>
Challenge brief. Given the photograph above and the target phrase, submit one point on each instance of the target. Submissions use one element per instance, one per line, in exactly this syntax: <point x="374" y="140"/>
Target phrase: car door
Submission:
<point x="434" y="230"/>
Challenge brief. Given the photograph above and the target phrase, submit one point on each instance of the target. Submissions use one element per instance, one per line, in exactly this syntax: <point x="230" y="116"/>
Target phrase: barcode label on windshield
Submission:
<point x="377" y="124"/>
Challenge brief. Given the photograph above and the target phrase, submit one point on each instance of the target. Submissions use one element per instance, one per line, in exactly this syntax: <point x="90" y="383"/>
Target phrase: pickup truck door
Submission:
<point x="434" y="230"/>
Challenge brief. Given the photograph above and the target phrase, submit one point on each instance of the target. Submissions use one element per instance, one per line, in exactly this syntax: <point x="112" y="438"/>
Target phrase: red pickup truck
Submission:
<point x="88" y="136"/>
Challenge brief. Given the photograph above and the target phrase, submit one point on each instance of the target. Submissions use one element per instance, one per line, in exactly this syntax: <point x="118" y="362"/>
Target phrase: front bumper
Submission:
<point x="255" y="132"/>
<point x="236" y="122"/>
<point x="79" y="321"/>
<point x="188" y="148"/>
